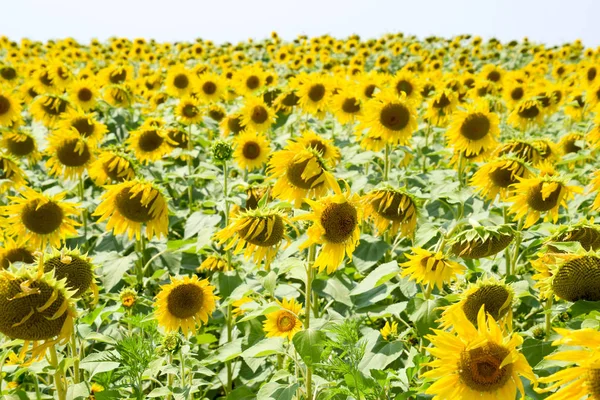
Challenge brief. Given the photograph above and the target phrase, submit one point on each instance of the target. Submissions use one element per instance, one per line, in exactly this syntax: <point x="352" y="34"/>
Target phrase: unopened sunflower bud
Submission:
<point x="222" y="151"/>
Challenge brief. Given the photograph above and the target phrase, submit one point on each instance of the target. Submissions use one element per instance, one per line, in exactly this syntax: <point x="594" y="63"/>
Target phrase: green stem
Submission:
<point x="182" y="361"/>
<point x="515" y="257"/>
<point x="81" y="187"/>
<point x="225" y="195"/>
<point x="461" y="159"/>
<point x="549" y="316"/>
<point x="308" y="295"/>
<point x="75" y="355"/>
<point x="141" y="248"/>
<point x="386" y="165"/>
<point x="58" y="374"/>
<point x="428" y="290"/>
<point x="427" y="132"/>
<point x="507" y="250"/>
<point x="228" y="364"/>
<point x="190" y="147"/>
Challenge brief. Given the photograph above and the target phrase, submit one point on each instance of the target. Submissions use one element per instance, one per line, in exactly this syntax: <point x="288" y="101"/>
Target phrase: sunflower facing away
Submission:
<point x="39" y="219"/>
<point x="128" y="205"/>
<point x="336" y="227"/>
<point x="476" y="363"/>
<point x="111" y="166"/>
<point x="581" y="379"/>
<point x="391" y="210"/>
<point x="251" y="150"/>
<point x="70" y="155"/>
<point x="75" y="268"/>
<point x="185" y="303"/>
<point x="473" y="130"/>
<point x="433" y="269"/>
<point x="481" y="241"/>
<point x="285" y="322"/>
<point x="85" y="125"/>
<point x="301" y="173"/>
<point x="260" y="232"/>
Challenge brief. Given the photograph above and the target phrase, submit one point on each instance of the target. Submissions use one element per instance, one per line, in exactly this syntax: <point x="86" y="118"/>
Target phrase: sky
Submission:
<point x="548" y="21"/>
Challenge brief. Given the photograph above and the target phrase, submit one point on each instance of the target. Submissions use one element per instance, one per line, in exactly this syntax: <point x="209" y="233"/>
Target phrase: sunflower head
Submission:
<point x="10" y="109"/>
<point x="586" y="233"/>
<point x="323" y="146"/>
<point x="498" y="177"/>
<point x="214" y="263"/>
<point x="391" y="210"/>
<point x="70" y="154"/>
<point x="474" y="129"/>
<point x="284" y="322"/>
<point x="14" y="252"/>
<point x="426" y="267"/>
<point x="128" y="297"/>
<point x="251" y="150"/>
<point x="111" y="166"/>
<point x="75" y="268"/>
<point x="481" y="241"/>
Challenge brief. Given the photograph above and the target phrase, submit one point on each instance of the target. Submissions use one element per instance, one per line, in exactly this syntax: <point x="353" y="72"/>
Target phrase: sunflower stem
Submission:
<point x="182" y="361"/>
<point x="81" y="187"/>
<point x="58" y="373"/>
<point x="141" y="248"/>
<point x="312" y="251"/>
<point x="190" y="148"/>
<point x="515" y="257"/>
<point x="548" y="316"/>
<point x="507" y="250"/>
<point x="74" y="354"/>
<point x="424" y="157"/>
<point x="229" y="387"/>
<point x="386" y="165"/>
<point x="460" y="169"/>
<point x="170" y="378"/>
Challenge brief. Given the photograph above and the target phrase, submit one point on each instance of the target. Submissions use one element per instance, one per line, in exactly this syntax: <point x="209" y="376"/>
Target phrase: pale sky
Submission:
<point x="548" y="21"/>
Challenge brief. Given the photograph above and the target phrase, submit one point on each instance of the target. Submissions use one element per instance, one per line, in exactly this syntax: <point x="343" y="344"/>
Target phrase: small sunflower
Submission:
<point x="498" y="177"/>
<point x="433" y="269"/>
<point x="232" y="124"/>
<point x="540" y="194"/>
<point x="286" y="102"/>
<point x="441" y="106"/>
<point x="149" y="144"/>
<point x="407" y="83"/>
<point x="300" y="172"/>
<point x="391" y="210"/>
<point x="581" y="378"/>
<point x="128" y="205"/>
<point x="476" y="363"/>
<point x="390" y="117"/>
<point x="185" y="303"/>
<point x="325" y="147"/>
<point x="524" y="149"/>
<point x="210" y="88"/>
<point x="260" y="232"/>
<point x="214" y="263"/>
<point x="256" y="115"/>
<point x="346" y="105"/>
<point x="251" y="150"/>
<point x="313" y="91"/>
<point x="474" y="129"/>
<point x="389" y="331"/>
<point x="49" y="108"/>
<point x="84" y="94"/>
<point x="118" y="96"/>
<point x="39" y="219"/>
<point x="111" y="166"/>
<point x="84" y="124"/>
<point x="285" y="322"/>
<point x="527" y="113"/>
<point x="70" y="155"/>
<point x="336" y="227"/>
<point x="13" y="252"/>
<point x="595" y="183"/>
<point x="481" y="241"/>
<point x="11" y="174"/>
<point x="10" y="108"/>
<point x="179" y="81"/>
<point x="75" y="268"/>
<point x="188" y="111"/>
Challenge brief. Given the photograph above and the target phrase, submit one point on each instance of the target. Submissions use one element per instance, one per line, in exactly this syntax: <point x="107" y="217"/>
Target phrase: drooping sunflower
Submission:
<point x="285" y="322"/>
<point x="498" y="177"/>
<point x="433" y="269"/>
<point x="13" y="251"/>
<point x="540" y="194"/>
<point x="119" y="96"/>
<point x="214" y="263"/>
<point x="520" y="148"/>
<point x="390" y="117"/>
<point x="84" y="94"/>
<point x="40" y="219"/>
<point x="49" y="108"/>
<point x="128" y="205"/>
<point x="496" y="296"/>
<point x="527" y="113"/>
<point x="11" y="175"/>
<point x="188" y="111"/>
<point x="70" y="155"/>
<point x="301" y="173"/>
<point x="148" y="144"/>
<point x="75" y="268"/>
<point x="179" y="81"/>
<point x="476" y="363"/>
<point x="391" y="210"/>
<point x="259" y="232"/>
<point x="10" y="108"/>
<point x="251" y="150"/>
<point x="585" y="232"/>
<point x="36" y="308"/>
<point x="185" y="303"/>
<point x="567" y="276"/>
<point x="325" y="147"/>
<point x="336" y="227"/>
<point x="231" y="124"/>
<point x="116" y="74"/>
<point x="256" y="115"/>
<point x="473" y="130"/>
<point x="111" y="166"/>
<point x="480" y="241"/>
<point x="84" y="124"/>
<point x="581" y="379"/>
<point x="286" y="102"/>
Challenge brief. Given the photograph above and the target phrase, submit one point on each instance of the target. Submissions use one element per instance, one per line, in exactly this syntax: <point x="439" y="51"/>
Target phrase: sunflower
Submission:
<point x="407" y="83"/>
<point x="581" y="379"/>
<point x="571" y="142"/>
<point x="149" y="144"/>
<point x="389" y="332"/>
<point x="433" y="269"/>
<point x="260" y="231"/>
<point x="119" y="96"/>
<point x="251" y="150"/>
<point x="476" y="363"/>
<point x="571" y="277"/>
<point x="13" y="252"/>
<point x="84" y="124"/>
<point x="284" y="322"/>
<point x="286" y="102"/>
<point x="39" y="219"/>
<point x="188" y="111"/>
<point x="11" y="175"/>
<point x="585" y="232"/>
<point x="232" y="124"/>
<point x="128" y="205"/>
<point x="539" y="194"/>
<point x="481" y="241"/>
<point x="372" y="142"/>
<point x="49" y="108"/>
<point x="313" y="91"/>
<point x="492" y="73"/>
<point x="180" y="82"/>
<point x="75" y="268"/>
<point x="216" y="112"/>
<point x="70" y="155"/>
<point x="390" y="117"/>
<point x="391" y="210"/>
<point x="576" y="105"/>
<point x="214" y="263"/>
<point x="474" y="129"/>
<point x="116" y="74"/>
<point x="336" y="227"/>
<point x="526" y="114"/>
<point x="185" y="303"/>
<point x="513" y="92"/>
<point x="35" y="307"/>
<point x="441" y="106"/>
<point x="523" y="149"/>
<point x="300" y="172"/>
<point x="249" y="80"/>
<point x="496" y="296"/>
<point x="256" y="115"/>
<point x="498" y="177"/>
<point x="111" y="166"/>
<point x="324" y="147"/>
<point x="210" y="88"/>
<point x="346" y="105"/>
<point x="10" y="108"/>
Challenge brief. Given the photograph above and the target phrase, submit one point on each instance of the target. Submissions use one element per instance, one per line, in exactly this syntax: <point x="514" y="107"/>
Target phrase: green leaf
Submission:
<point x="78" y="391"/>
<point x="227" y="282"/>
<point x="424" y="313"/>
<point x="95" y="364"/>
<point x="309" y="344"/>
<point x="377" y="277"/>
<point x="242" y="393"/>
<point x="160" y="392"/>
<point x="276" y="391"/>
<point x="199" y="221"/>
<point x="584" y="307"/>
<point x="369" y="251"/>
<point x="265" y="347"/>
<point x="114" y="267"/>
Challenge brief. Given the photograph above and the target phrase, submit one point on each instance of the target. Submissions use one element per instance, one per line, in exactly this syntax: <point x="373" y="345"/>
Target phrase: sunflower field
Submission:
<point x="393" y="218"/>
